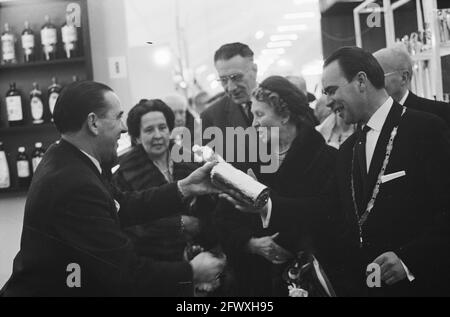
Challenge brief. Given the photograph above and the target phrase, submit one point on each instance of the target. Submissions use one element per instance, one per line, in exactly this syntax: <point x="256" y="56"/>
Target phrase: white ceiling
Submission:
<point x="204" y="25"/>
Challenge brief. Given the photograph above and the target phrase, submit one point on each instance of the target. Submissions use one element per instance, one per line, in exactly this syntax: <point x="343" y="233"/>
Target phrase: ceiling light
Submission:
<point x="293" y="27"/>
<point x="259" y="35"/>
<point x="273" y="51"/>
<point x="162" y="56"/>
<point x="284" y="37"/>
<point x="299" y="15"/>
<point x="279" y="44"/>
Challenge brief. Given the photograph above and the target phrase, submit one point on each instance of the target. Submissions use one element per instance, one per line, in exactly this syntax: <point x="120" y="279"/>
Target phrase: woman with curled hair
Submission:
<point x="303" y="200"/>
<point x="149" y="164"/>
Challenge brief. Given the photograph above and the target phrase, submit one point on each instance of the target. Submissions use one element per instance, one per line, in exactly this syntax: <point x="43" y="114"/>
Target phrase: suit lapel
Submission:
<point x="236" y="115"/>
<point x="392" y="120"/>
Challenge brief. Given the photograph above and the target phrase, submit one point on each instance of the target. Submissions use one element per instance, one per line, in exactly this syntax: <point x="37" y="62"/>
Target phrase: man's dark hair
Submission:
<point x="76" y="102"/>
<point x="228" y="51"/>
<point x="142" y="108"/>
<point x="354" y="60"/>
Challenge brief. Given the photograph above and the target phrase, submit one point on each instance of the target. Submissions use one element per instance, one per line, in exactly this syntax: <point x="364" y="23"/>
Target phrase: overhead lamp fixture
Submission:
<point x="162" y="56"/>
<point x="284" y="37"/>
<point x="293" y="27"/>
<point x="273" y="51"/>
<point x="299" y="15"/>
<point x="302" y="2"/>
<point x="259" y="35"/>
<point x="279" y="44"/>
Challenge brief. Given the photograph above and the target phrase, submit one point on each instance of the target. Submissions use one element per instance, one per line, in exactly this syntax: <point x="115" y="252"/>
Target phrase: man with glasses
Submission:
<point x="393" y="179"/>
<point x="237" y="74"/>
<point x="398" y="69"/>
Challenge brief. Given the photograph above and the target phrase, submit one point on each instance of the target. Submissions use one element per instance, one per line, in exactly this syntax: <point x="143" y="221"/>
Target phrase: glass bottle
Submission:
<point x="49" y="39"/>
<point x="28" y="43"/>
<point x="14" y="106"/>
<point x="5" y="180"/>
<point x="23" y="168"/>
<point x="36" y="105"/>
<point x="53" y="94"/>
<point x="70" y="39"/>
<point x="8" y="46"/>
<point x="36" y="157"/>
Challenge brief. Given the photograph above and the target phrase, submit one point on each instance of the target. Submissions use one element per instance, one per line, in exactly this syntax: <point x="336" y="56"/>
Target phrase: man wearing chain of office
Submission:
<point x="394" y="182"/>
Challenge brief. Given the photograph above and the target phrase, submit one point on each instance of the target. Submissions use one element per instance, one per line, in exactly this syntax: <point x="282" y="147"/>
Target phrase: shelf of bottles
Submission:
<point x="44" y="46"/>
<point x="30" y="48"/>
<point x="25" y="167"/>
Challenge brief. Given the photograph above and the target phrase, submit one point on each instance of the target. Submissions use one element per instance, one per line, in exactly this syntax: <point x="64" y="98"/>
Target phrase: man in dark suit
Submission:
<point x="72" y="243"/>
<point x="237" y="73"/>
<point x="398" y="72"/>
<point x="394" y="180"/>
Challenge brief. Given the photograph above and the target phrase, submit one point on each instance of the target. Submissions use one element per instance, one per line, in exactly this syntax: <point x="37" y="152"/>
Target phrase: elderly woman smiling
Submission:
<point x="149" y="164"/>
<point x="303" y="195"/>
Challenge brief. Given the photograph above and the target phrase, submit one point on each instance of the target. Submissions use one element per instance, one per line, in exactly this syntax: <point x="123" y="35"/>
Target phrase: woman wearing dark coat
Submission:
<point x="149" y="164"/>
<point x="303" y="202"/>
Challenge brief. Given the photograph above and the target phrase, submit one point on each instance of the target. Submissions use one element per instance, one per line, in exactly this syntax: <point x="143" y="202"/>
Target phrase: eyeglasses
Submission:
<point x="394" y="72"/>
<point x="235" y="78"/>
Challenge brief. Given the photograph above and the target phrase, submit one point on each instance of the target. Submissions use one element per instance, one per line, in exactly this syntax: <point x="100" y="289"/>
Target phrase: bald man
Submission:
<point x="300" y="83"/>
<point x="398" y="72"/>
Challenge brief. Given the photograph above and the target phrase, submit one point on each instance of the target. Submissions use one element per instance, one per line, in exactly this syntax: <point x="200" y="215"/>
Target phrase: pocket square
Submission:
<point x="391" y="177"/>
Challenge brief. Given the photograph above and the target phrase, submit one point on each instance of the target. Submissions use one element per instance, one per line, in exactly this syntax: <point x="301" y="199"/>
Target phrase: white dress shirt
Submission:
<point x="402" y="102"/>
<point x="375" y="124"/>
<point x="94" y="160"/>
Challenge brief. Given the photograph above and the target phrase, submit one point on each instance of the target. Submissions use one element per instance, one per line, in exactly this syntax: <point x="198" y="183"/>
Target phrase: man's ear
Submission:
<point x="361" y="79"/>
<point x="255" y="68"/>
<point x="406" y="77"/>
<point x="92" y="123"/>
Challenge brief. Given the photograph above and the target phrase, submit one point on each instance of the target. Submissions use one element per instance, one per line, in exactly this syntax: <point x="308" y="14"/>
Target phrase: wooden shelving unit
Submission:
<point x="39" y="71"/>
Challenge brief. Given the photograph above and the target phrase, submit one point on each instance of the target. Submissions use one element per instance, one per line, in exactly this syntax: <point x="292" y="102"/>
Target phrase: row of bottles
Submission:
<point x="25" y="167"/>
<point x="49" y="42"/>
<point x="15" y="107"/>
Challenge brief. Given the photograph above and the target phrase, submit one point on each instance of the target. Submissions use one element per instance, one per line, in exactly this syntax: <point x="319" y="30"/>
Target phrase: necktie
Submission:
<point x="248" y="112"/>
<point x="362" y="163"/>
<point x="361" y="149"/>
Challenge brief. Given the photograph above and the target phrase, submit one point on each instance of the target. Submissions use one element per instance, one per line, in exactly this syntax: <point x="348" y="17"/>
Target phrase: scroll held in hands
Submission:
<point x="233" y="181"/>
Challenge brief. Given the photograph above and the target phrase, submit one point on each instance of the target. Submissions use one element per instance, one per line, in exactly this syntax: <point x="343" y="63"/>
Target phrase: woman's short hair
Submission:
<point x="286" y="100"/>
<point x="142" y="108"/>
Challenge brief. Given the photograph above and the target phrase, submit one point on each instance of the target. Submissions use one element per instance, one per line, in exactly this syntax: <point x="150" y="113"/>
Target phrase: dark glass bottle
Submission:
<point x="53" y="94"/>
<point x="23" y="168"/>
<point x="8" y="41"/>
<point x="14" y="106"/>
<point x="36" y="157"/>
<point x="5" y="180"/>
<point x="49" y="39"/>
<point x="28" y="44"/>
<point x="36" y="105"/>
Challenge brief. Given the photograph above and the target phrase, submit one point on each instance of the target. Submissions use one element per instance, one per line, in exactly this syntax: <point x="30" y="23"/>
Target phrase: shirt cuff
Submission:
<point x="408" y="273"/>
<point x="266" y="220"/>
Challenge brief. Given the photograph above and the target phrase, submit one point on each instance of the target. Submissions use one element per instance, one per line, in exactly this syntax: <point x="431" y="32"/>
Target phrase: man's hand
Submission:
<point x="268" y="249"/>
<point x="198" y="183"/>
<point x="191" y="226"/>
<point x="206" y="267"/>
<point x="392" y="270"/>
